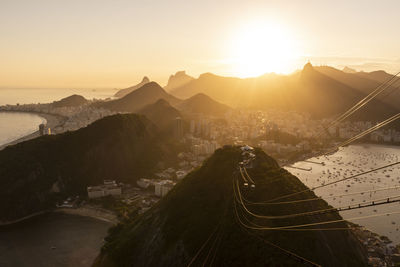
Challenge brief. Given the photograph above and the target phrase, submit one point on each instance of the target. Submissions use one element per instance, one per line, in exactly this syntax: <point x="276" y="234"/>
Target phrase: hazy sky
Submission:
<point x="98" y="43"/>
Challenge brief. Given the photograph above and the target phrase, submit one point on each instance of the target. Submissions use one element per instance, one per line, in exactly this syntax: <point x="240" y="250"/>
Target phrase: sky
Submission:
<point x="114" y="43"/>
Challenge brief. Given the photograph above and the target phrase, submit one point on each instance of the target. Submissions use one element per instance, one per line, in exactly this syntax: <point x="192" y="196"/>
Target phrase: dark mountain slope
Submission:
<point x="138" y="99"/>
<point x="122" y="147"/>
<point x="173" y="231"/>
<point x="203" y="104"/>
<point x="161" y="113"/>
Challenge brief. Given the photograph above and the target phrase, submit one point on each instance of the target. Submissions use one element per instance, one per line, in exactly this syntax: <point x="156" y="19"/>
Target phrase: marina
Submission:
<point x="377" y="185"/>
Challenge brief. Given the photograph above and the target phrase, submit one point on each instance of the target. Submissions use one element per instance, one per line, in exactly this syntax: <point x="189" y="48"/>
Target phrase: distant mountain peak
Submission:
<point x="71" y="101"/>
<point x="148" y="88"/>
<point x="207" y="75"/>
<point x="149" y="93"/>
<point x="308" y="71"/>
<point x="124" y="92"/>
<point x="203" y="104"/>
<point x="151" y="85"/>
<point x="308" y="67"/>
<point x="179" y="74"/>
<point x="349" y="70"/>
<point x="180" y="78"/>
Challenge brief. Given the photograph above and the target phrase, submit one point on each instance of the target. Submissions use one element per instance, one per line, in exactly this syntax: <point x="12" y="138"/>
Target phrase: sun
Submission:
<point x="262" y="47"/>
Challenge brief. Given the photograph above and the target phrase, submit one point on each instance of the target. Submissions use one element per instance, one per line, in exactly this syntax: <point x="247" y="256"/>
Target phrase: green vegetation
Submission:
<point x="36" y="173"/>
<point x="171" y="233"/>
<point x="122" y="210"/>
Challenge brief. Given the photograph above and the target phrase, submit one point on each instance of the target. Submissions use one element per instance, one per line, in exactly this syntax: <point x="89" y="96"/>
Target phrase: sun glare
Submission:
<point x="260" y="47"/>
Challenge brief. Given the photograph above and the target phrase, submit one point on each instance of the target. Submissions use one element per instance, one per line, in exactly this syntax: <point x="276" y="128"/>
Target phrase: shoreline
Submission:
<point x="301" y="158"/>
<point x="52" y="121"/>
<point x="85" y="211"/>
<point x="307" y="156"/>
<point x="8" y="223"/>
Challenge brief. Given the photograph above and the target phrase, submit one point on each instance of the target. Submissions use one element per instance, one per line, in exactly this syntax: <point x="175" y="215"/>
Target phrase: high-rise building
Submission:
<point x="178" y="128"/>
<point x="192" y="126"/>
<point x="42" y="129"/>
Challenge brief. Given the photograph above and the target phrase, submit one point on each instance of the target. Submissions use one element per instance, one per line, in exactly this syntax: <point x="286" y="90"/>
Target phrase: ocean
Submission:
<point x="34" y="96"/>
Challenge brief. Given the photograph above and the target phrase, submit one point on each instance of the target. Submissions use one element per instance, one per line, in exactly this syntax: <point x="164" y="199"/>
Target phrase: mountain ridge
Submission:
<point x="364" y="83"/>
<point x="138" y="99"/>
<point x="293" y="92"/>
<point x="178" y="79"/>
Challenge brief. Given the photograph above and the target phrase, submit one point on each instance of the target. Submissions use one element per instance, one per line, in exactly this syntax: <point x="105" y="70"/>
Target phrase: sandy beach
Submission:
<point x="52" y="122"/>
<point x="93" y="212"/>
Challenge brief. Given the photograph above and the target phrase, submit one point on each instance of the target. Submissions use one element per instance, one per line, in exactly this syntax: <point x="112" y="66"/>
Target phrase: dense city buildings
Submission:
<point x="281" y="133"/>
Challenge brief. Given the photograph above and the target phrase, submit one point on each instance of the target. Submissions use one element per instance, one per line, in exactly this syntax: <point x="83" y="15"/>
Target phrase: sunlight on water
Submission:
<point x="30" y="96"/>
<point x="349" y="161"/>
